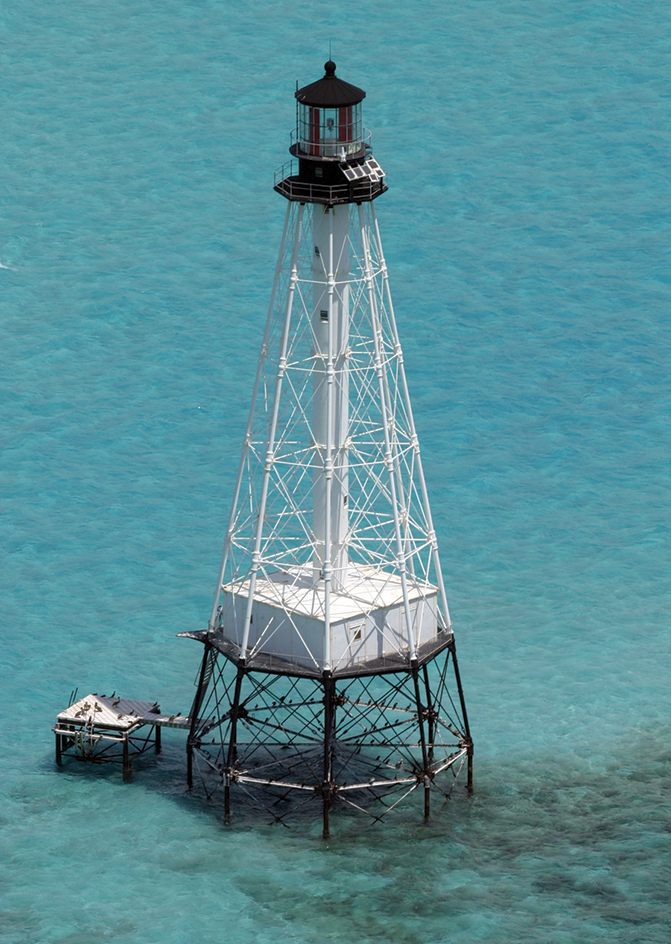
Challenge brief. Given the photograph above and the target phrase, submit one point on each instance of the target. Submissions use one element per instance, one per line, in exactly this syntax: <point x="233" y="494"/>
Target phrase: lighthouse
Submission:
<point x="329" y="670"/>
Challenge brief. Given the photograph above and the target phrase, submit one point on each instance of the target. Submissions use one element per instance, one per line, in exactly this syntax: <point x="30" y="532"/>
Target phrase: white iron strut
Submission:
<point x="330" y="559"/>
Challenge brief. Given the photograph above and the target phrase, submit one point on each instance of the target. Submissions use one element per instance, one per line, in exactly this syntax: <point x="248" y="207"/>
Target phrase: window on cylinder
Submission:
<point x="329" y="132"/>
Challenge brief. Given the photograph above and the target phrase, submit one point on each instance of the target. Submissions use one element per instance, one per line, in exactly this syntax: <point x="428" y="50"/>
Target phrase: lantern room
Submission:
<point x="328" y="119"/>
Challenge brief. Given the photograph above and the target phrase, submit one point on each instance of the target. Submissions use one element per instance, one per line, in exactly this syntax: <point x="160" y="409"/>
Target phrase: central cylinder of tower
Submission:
<point x="330" y="379"/>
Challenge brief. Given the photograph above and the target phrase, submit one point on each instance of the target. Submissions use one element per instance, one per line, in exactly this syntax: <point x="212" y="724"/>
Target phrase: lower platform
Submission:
<point x="300" y="191"/>
<point x="267" y="662"/>
<point x="289" y="741"/>
<point x="104" y="729"/>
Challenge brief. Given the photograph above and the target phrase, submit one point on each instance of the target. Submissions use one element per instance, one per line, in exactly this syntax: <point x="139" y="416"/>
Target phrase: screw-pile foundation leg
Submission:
<point x="468" y="739"/>
<point x="203" y="680"/>
<point x="233" y="742"/>
<point x="429" y="712"/>
<point x="127" y="769"/>
<point x="329" y="724"/>
<point x="420" y="721"/>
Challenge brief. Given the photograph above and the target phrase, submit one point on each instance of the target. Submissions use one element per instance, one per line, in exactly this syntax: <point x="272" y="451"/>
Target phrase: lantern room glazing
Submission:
<point x="329" y="132"/>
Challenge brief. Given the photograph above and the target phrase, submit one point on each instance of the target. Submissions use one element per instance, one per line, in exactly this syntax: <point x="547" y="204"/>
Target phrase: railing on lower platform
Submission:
<point x="288" y="183"/>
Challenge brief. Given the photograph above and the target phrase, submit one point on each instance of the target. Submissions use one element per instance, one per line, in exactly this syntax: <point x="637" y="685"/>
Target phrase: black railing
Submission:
<point x="329" y="147"/>
<point x="301" y="191"/>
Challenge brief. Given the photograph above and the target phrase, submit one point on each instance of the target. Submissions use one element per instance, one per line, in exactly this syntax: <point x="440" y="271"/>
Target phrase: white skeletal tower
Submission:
<point x="330" y="571"/>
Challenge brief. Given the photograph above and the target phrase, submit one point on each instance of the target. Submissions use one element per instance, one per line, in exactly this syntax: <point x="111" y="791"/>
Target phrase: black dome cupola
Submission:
<point x="330" y="91"/>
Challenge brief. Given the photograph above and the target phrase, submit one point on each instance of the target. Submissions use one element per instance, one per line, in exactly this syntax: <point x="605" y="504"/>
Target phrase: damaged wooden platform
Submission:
<point x="109" y="729"/>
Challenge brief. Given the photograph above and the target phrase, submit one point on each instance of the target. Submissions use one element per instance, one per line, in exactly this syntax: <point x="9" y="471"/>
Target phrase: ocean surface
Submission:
<point x="527" y="233"/>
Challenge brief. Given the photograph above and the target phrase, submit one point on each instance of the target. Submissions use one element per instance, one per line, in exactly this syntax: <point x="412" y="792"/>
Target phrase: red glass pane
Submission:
<point x="314" y="131"/>
<point x="345" y="124"/>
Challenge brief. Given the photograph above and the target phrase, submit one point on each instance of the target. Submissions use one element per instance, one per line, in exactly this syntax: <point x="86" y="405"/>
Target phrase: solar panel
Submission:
<point x="373" y="169"/>
<point x="348" y="171"/>
<point x="370" y="169"/>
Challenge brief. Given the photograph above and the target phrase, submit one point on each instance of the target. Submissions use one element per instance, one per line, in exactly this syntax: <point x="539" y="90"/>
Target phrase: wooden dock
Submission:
<point x="109" y="729"/>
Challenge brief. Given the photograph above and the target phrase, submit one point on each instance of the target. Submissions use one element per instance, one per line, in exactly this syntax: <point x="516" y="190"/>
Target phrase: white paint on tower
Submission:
<point x="330" y="320"/>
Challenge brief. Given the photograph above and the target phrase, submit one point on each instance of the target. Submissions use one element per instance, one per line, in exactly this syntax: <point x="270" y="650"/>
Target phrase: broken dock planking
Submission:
<point x="108" y="729"/>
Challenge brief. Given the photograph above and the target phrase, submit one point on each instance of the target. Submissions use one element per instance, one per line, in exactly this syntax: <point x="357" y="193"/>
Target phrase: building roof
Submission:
<point x="118" y="714"/>
<point x="330" y="91"/>
<point x="367" y="590"/>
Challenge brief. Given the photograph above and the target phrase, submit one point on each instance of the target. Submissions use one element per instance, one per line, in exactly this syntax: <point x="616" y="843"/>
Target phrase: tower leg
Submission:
<point x="127" y="769"/>
<point x="59" y="751"/>
<point x="429" y="712"/>
<point x="468" y="739"/>
<point x="233" y="742"/>
<point x="420" y="721"/>
<point x="206" y="668"/>
<point x="157" y="739"/>
<point x="329" y="719"/>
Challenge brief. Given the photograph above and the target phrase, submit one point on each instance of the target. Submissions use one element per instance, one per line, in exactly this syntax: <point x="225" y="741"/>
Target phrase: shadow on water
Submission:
<point x="564" y="848"/>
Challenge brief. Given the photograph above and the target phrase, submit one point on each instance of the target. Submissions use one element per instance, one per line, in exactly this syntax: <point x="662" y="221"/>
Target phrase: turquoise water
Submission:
<point x="527" y="234"/>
